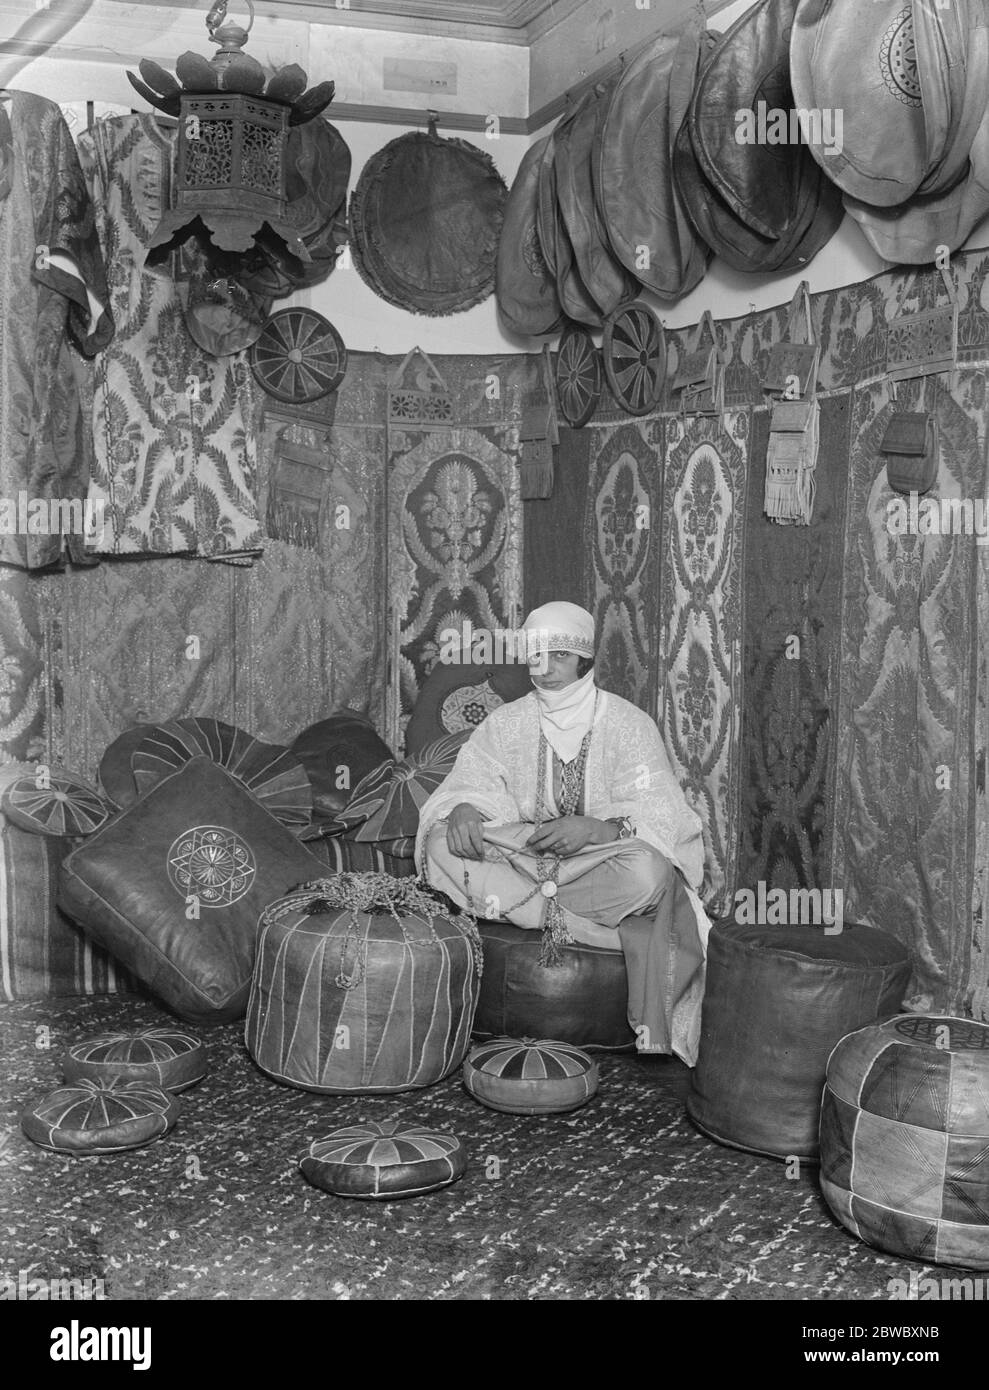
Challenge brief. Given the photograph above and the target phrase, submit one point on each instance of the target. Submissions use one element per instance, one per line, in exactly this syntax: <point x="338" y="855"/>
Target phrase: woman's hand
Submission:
<point x="464" y="832"/>
<point x="570" y="834"/>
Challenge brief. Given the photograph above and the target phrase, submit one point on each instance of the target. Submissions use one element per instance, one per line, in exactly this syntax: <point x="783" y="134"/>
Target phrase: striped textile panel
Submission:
<point x="42" y="954"/>
<point x="384" y="1160"/>
<point x="348" y="856"/>
<point x="100" y="1116"/>
<point x="272" y="773"/>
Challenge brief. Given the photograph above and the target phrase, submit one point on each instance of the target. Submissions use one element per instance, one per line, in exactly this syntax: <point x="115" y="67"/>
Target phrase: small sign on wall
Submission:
<point x="419" y="75"/>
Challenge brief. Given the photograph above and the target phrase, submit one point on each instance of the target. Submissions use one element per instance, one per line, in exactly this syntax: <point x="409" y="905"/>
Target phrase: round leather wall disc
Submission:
<point x="634" y="352"/>
<point x="299" y="356"/>
<point x="578" y="376"/>
<point x="426" y="218"/>
<point x="524" y="286"/>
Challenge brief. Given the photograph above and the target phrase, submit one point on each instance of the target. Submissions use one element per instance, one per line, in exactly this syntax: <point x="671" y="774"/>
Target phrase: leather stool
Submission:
<point x="777" y="1000"/>
<point x="583" y="1001"/>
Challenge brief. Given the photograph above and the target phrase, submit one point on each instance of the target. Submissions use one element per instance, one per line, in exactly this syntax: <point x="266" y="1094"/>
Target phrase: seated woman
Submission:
<point x="562" y="813"/>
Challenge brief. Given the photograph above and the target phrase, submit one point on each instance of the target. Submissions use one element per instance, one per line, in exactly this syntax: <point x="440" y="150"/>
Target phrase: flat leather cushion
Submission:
<point x="777" y="999"/>
<point x="337" y="752"/>
<point x="440" y="711"/>
<point x="100" y="1117"/>
<point x="54" y="803"/>
<point x="527" y="1077"/>
<point x="167" y="1057"/>
<point x="583" y="1001"/>
<point x="198" y="835"/>
<point x="386" y="804"/>
<point x="384" y="1161"/>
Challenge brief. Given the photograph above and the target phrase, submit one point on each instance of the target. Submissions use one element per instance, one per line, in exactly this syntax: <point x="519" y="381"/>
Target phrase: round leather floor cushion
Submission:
<point x="116" y="773"/>
<point x="100" y="1117"/>
<point x="524" y="1077"/>
<point x="384" y="1161"/>
<point x="171" y="1058"/>
<point x="62" y="805"/>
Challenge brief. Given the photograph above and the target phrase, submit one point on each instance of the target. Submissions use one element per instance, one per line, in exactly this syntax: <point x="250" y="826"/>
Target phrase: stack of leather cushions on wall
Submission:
<point x="647" y="176"/>
<point x="195" y="828"/>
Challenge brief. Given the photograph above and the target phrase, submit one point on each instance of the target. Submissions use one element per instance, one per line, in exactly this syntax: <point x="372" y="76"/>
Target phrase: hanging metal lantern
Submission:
<point x="232" y="138"/>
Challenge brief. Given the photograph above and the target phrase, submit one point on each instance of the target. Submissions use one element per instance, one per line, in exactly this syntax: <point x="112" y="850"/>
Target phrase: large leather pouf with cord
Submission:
<point x="100" y="1117"/>
<point x="582" y="1001"/>
<point x="384" y="1161"/>
<point x="905" y="1138"/>
<point x="527" y="1077"/>
<point x="363" y="983"/>
<point x="171" y="1058"/>
<point x="776" y="1000"/>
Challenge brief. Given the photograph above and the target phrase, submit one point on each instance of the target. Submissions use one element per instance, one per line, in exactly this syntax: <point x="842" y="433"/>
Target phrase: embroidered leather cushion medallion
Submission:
<point x="905" y="1138"/>
<point x="100" y="1117"/>
<point x="174" y="888"/>
<point x="530" y="1078"/>
<point x="272" y="773"/>
<point x="441" y="708"/>
<point x="167" y="1057"/>
<point x="384" y="1161"/>
<point x="61" y="805"/>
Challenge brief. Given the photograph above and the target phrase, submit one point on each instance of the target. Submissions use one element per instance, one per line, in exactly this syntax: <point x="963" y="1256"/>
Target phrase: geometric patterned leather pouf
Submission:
<point x="523" y="1077"/>
<point x="171" y="1058"/>
<point x="384" y="1161"/>
<point x="905" y="1138"/>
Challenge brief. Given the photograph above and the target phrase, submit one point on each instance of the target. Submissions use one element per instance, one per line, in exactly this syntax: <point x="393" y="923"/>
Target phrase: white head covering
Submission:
<point x="564" y="715"/>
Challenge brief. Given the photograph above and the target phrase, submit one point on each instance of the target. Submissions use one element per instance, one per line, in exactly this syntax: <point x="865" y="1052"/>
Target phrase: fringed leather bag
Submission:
<point x="791" y="461"/>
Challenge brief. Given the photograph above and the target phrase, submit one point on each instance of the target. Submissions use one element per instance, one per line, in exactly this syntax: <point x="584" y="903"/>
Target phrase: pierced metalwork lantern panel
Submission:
<point x="231" y="154"/>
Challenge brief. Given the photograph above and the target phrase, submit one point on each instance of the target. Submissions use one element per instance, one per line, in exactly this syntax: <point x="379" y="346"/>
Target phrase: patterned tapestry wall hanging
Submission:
<point x="705" y="486"/>
<point x="623" y="525"/>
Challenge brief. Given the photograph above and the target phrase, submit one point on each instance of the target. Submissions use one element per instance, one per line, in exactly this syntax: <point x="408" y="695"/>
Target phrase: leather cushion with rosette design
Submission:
<point x="384" y="1161"/>
<point x="386" y="804"/>
<point x="267" y="770"/>
<point x="175" y="885"/>
<point x="526" y="1077"/>
<point x="337" y="753"/>
<point x="100" y="1117"/>
<point x="171" y="1058"/>
<point x="52" y="802"/>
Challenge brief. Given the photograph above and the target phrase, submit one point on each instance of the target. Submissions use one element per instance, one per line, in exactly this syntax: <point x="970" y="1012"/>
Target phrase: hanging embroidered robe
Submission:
<point x="52" y="284"/>
<point x="176" y="458"/>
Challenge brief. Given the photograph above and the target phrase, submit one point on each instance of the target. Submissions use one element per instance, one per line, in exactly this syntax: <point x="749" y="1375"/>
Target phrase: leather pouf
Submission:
<point x="777" y="999"/>
<point x="905" y="1138"/>
<point x="167" y="1057"/>
<point x="524" y="1077"/>
<point x="384" y="1161"/>
<point x="100" y="1117"/>
<point x="582" y="1001"/>
<point x="361" y="1002"/>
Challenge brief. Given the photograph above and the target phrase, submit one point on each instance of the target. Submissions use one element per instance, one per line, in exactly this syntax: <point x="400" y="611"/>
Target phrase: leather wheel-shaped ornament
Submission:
<point x="578" y="376"/>
<point x="634" y="352"/>
<point x="299" y="356"/>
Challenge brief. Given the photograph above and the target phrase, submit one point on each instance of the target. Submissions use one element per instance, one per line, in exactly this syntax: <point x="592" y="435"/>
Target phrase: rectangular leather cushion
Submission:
<point x="174" y="887"/>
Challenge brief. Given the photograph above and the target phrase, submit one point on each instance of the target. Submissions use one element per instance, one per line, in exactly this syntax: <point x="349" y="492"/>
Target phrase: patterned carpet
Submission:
<point x="620" y="1200"/>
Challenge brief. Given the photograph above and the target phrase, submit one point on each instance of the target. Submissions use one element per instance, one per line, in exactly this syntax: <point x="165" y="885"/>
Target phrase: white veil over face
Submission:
<point x="564" y="715"/>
